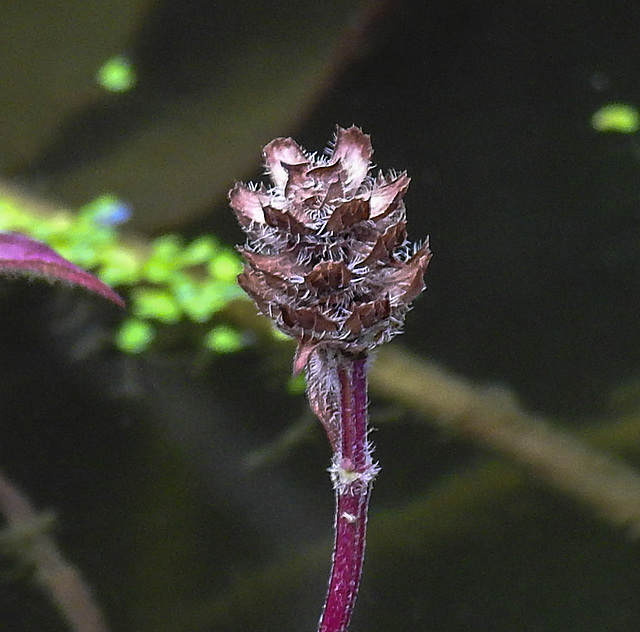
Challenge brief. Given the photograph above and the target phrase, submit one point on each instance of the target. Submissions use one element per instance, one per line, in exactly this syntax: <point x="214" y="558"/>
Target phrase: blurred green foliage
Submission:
<point x="168" y="282"/>
<point x="117" y="74"/>
<point x="616" y="117"/>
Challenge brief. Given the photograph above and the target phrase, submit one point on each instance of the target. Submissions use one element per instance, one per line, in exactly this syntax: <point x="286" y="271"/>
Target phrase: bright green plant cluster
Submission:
<point x="616" y="117"/>
<point x="179" y="280"/>
<point x="117" y="74"/>
<point x="169" y="282"/>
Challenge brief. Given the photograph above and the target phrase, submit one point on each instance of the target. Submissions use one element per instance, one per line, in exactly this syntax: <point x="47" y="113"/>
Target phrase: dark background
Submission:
<point x="534" y="220"/>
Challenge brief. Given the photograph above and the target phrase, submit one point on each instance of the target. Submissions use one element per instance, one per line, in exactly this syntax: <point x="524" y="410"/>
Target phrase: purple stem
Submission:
<point x="353" y="472"/>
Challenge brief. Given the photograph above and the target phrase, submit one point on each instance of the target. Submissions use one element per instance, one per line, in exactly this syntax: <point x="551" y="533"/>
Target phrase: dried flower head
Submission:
<point x="327" y="252"/>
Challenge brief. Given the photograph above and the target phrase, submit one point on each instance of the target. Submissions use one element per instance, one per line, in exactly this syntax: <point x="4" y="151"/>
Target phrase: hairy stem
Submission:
<point x="352" y="472"/>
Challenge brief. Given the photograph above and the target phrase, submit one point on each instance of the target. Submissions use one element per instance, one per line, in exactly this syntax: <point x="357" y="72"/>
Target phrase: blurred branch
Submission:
<point x="492" y="418"/>
<point x="275" y="451"/>
<point x="27" y="534"/>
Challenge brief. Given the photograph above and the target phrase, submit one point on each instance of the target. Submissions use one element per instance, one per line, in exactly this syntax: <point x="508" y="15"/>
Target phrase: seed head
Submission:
<point x="327" y="255"/>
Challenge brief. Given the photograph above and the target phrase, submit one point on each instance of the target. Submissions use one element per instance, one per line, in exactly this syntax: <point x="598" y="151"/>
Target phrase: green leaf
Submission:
<point x="224" y="339"/>
<point x="134" y="335"/>
<point x="616" y="117"/>
<point x="155" y="304"/>
<point x="117" y="74"/>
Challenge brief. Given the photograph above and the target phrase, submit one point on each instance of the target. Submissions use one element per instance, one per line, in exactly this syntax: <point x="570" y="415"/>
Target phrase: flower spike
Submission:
<point x="327" y="259"/>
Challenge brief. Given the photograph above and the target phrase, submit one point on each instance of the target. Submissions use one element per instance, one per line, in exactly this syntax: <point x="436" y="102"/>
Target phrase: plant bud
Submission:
<point x="327" y="255"/>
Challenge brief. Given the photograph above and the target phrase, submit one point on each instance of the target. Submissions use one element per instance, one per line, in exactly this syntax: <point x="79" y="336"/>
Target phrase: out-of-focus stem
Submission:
<point x="493" y="418"/>
<point x="58" y="579"/>
<point x="352" y="472"/>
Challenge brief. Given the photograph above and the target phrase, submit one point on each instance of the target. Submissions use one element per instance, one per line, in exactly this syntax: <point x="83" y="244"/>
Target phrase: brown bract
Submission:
<point x="327" y="257"/>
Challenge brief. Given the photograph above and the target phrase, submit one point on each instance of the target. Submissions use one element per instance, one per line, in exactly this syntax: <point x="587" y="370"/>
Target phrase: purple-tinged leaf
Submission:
<point x="23" y="256"/>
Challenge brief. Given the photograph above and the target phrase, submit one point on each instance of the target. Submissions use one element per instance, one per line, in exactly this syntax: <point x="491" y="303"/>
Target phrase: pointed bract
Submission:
<point x="323" y="392"/>
<point x="385" y="198"/>
<point x="347" y="214"/>
<point x="304" y="349"/>
<point x="246" y="203"/>
<point x="353" y="151"/>
<point x="279" y="154"/>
